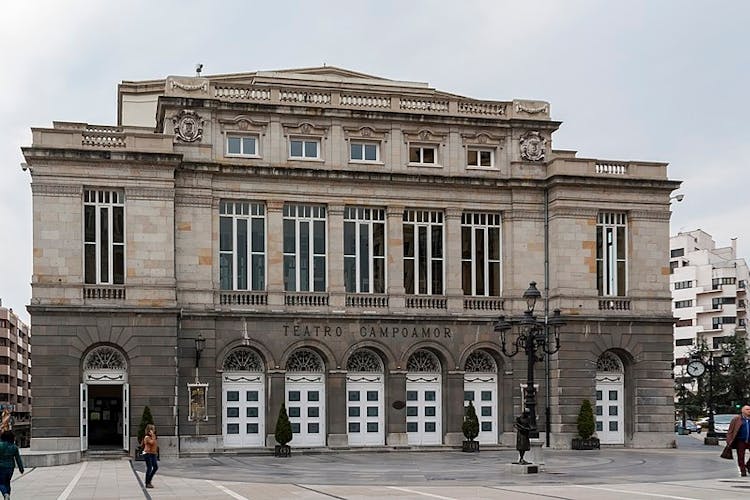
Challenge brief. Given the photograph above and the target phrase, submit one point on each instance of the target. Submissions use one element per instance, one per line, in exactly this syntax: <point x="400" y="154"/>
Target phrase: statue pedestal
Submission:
<point x="523" y="469"/>
<point x="536" y="454"/>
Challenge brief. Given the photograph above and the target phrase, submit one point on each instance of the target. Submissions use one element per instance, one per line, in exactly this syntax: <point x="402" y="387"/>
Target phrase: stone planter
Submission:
<point x="282" y="450"/>
<point x="471" y="446"/>
<point x="585" y="444"/>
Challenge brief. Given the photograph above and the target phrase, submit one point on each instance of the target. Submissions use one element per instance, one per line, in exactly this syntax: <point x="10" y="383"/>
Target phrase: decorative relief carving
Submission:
<point x="187" y="87"/>
<point x="104" y="358"/>
<point x="244" y="124"/>
<point x="192" y="200"/>
<point x="305" y="128"/>
<point x="56" y="189"/>
<point x="483" y="139"/>
<point x="532" y="146"/>
<point x="304" y="360"/>
<point x="188" y="126"/>
<point x="574" y="212"/>
<point x="366" y="133"/>
<point x="424" y="135"/>
<point x="659" y="215"/>
<point x="149" y="194"/>
<point x="520" y="108"/>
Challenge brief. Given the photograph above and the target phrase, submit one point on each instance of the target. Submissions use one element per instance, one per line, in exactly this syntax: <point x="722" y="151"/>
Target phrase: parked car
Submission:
<point x="690" y="426"/>
<point x="702" y="422"/>
<point x="721" y="424"/>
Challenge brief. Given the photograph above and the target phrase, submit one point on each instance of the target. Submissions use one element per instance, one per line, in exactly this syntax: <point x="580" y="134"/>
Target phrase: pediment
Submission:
<point x="332" y="71"/>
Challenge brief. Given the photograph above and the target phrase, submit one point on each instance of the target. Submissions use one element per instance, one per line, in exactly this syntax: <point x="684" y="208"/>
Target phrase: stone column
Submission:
<point x="452" y="260"/>
<point x="453" y="409"/>
<point x="395" y="259"/>
<point x="336" y="288"/>
<point x="275" y="252"/>
<point x="336" y="409"/>
<point x="276" y="396"/>
<point x="396" y="418"/>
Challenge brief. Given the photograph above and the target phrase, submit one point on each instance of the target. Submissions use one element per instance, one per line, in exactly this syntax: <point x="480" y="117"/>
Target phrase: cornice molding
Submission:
<point x="482" y="139"/>
<point x="522" y="214"/>
<point x="243" y="123"/>
<point x="574" y="212"/>
<point x="366" y="132"/>
<point x="305" y="129"/>
<point x="424" y="135"/>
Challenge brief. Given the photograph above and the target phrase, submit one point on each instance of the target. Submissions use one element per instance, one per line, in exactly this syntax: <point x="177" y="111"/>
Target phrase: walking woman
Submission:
<point x="9" y="457"/>
<point x="150" y="451"/>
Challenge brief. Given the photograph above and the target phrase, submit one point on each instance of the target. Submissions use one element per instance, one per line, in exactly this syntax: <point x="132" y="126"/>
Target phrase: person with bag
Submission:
<point x="738" y="438"/>
<point x="9" y="457"/>
<point x="150" y="452"/>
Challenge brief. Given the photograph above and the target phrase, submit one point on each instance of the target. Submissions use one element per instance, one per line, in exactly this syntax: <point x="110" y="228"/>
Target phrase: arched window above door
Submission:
<point x="480" y="361"/>
<point x="423" y="361"/>
<point x="609" y="362"/>
<point x="104" y="358"/>
<point x="243" y="359"/>
<point x="364" y="360"/>
<point x="305" y="360"/>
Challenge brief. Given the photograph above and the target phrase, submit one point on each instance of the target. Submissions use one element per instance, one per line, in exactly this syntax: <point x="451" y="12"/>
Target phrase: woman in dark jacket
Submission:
<point x="9" y="457"/>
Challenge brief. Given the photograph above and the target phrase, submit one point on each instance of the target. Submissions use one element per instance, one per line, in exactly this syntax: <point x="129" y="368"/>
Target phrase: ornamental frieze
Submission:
<point x="56" y="189"/>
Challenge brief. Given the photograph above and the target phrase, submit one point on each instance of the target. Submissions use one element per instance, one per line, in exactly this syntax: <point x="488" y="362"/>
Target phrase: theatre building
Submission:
<point x="344" y="244"/>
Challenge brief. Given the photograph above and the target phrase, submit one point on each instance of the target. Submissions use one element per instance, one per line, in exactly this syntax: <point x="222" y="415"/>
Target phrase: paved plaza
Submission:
<point x="693" y="471"/>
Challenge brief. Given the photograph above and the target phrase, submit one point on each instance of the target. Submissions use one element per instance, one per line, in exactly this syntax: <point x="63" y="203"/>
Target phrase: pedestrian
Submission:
<point x="9" y="457"/>
<point x="738" y="438"/>
<point x="150" y="452"/>
<point x="523" y="427"/>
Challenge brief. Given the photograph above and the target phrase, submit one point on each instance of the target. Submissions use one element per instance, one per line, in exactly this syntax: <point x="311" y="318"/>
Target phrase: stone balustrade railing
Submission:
<point x="383" y="99"/>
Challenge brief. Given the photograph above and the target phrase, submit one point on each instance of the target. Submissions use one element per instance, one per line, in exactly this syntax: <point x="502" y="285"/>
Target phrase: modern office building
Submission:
<point x="344" y="244"/>
<point x="15" y="373"/>
<point x="709" y="289"/>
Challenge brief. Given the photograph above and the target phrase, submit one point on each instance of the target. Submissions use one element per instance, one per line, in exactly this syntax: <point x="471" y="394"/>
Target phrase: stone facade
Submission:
<point x="328" y="141"/>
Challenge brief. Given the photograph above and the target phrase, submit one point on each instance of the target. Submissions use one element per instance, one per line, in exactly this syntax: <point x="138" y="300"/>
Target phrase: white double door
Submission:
<point x="243" y="402"/>
<point x="424" y="413"/>
<point x="609" y="409"/>
<point x="481" y="390"/>
<point x="365" y="410"/>
<point x="305" y="405"/>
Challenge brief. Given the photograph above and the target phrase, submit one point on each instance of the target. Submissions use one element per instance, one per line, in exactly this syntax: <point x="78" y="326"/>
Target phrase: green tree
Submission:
<point x="470" y="426"/>
<point x="585" y="421"/>
<point x="146" y="419"/>
<point x="283" y="432"/>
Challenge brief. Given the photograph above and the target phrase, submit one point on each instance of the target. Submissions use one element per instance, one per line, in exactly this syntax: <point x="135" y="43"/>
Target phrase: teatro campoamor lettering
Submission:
<point x="370" y="331"/>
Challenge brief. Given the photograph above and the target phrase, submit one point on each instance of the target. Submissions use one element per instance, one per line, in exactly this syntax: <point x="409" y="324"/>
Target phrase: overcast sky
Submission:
<point x="630" y="80"/>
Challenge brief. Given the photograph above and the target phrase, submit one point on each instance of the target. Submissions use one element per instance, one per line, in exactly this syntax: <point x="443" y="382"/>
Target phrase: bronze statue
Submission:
<point x="523" y="427"/>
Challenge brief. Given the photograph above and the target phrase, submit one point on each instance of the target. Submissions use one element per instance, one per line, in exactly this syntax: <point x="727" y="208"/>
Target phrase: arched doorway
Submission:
<point x="305" y="398"/>
<point x="480" y="387"/>
<point x="424" y="414"/>
<point x="104" y="400"/>
<point x="610" y="395"/>
<point x="365" y="390"/>
<point x="243" y="395"/>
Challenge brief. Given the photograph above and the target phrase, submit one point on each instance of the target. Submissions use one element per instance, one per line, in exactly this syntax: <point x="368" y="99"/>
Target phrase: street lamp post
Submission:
<point x="533" y="338"/>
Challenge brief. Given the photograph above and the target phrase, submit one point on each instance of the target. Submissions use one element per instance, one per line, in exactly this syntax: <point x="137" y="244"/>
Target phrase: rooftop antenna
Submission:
<point x="198" y="69"/>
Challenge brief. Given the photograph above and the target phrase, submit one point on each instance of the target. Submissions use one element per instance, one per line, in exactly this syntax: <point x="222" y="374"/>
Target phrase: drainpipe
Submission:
<point x="177" y="382"/>
<point x="547" y="412"/>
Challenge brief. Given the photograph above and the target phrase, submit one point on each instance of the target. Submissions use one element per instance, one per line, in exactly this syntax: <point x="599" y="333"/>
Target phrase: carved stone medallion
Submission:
<point x="532" y="146"/>
<point x="188" y="126"/>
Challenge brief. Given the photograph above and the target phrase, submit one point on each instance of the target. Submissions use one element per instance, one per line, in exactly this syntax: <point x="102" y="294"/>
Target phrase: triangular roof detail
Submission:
<point x="332" y="71"/>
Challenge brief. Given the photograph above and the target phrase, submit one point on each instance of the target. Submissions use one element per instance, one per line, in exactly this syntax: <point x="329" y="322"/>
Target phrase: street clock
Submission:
<point x="696" y="368"/>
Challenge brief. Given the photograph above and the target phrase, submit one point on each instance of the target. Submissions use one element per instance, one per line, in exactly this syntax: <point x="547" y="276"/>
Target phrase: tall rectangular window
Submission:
<point x="423" y="252"/>
<point x="611" y="254"/>
<point x="480" y="254"/>
<point x="242" y="246"/>
<point x="104" y="237"/>
<point x="304" y="248"/>
<point x="364" y="250"/>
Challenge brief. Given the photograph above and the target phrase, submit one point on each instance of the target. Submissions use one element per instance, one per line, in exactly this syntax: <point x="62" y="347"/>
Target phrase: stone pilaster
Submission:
<point x="336" y="395"/>
<point x="275" y="249"/>
<point x="336" y="288"/>
<point x="395" y="256"/>
<point x="452" y="260"/>
<point x="396" y="418"/>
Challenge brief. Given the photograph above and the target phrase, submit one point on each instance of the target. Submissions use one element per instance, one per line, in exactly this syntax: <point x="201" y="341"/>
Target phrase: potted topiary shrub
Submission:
<point x="470" y="428"/>
<point x="146" y="418"/>
<point x="585" y="424"/>
<point x="283" y="434"/>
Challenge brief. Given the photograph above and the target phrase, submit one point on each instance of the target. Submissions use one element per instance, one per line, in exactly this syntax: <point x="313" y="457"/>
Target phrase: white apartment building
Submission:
<point x="709" y="292"/>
